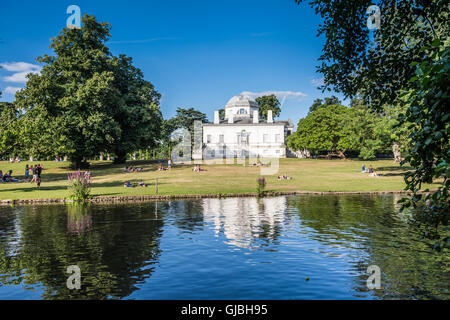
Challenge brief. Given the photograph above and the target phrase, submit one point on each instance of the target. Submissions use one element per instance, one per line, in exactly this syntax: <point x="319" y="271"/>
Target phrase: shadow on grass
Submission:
<point x="34" y="188"/>
<point x="394" y="168"/>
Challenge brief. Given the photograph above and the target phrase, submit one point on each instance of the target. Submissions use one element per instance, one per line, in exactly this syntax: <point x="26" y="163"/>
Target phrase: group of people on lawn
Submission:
<point x="369" y="170"/>
<point x="35" y="171"/>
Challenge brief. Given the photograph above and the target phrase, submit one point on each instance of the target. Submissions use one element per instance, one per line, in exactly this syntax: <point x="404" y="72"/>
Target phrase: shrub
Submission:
<point x="79" y="185"/>
<point x="260" y="185"/>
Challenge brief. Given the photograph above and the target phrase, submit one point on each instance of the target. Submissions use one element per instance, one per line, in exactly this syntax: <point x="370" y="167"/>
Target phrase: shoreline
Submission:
<point x="140" y="198"/>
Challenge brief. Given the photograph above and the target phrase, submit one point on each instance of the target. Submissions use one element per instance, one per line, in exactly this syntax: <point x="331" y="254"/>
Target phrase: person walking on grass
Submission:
<point x="35" y="174"/>
<point x="39" y="170"/>
<point x="169" y="164"/>
<point x="27" y="172"/>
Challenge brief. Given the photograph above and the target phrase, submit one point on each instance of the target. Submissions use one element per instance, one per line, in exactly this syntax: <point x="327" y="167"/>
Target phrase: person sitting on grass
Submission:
<point x="142" y="184"/>
<point x="197" y="168"/>
<point x="161" y="168"/>
<point x="373" y="174"/>
<point x="284" y="177"/>
<point x="128" y="184"/>
<point x="370" y="169"/>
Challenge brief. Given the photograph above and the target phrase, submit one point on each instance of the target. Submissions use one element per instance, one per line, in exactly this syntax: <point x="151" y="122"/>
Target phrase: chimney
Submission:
<point x="216" y="117"/>
<point x="230" y="118"/>
<point x="269" y="116"/>
<point x="255" y="116"/>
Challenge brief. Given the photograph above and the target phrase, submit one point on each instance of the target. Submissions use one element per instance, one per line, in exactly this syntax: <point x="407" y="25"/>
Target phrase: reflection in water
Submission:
<point x="241" y="248"/>
<point x="79" y="219"/>
<point x="245" y="220"/>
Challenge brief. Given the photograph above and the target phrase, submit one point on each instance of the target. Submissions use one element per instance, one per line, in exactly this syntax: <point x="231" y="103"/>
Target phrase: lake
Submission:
<point x="289" y="247"/>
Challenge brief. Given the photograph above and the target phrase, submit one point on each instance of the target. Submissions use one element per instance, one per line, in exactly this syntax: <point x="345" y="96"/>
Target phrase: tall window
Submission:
<point x="265" y="138"/>
<point x="277" y="138"/>
<point x="221" y="138"/>
<point x="208" y="138"/>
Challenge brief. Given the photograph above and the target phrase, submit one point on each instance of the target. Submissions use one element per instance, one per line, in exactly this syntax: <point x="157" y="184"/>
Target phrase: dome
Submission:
<point x="241" y="101"/>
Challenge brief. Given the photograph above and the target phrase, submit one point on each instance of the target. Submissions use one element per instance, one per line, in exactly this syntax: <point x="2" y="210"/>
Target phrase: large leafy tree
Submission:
<point x="376" y="132"/>
<point x="86" y="101"/>
<point x="353" y="62"/>
<point x="326" y="102"/>
<point x="324" y="130"/>
<point x="10" y="130"/>
<point x="267" y="103"/>
<point x="137" y="113"/>
<point x="406" y="54"/>
<point x="185" y="118"/>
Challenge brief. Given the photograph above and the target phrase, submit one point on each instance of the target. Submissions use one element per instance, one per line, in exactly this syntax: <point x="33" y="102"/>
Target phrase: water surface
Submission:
<point x="236" y="248"/>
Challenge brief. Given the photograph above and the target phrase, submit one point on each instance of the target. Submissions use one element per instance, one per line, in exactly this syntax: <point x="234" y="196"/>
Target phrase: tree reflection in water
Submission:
<point x="236" y="244"/>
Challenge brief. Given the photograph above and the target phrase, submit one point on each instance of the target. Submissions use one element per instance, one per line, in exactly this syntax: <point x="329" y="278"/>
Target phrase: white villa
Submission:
<point x="244" y="134"/>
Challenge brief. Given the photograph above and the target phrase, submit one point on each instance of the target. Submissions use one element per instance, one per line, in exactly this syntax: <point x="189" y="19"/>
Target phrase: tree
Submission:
<point x="268" y="103"/>
<point x="323" y="130"/>
<point x="404" y="64"/>
<point x="222" y="114"/>
<point x="137" y="112"/>
<point x="327" y="102"/>
<point x="316" y="104"/>
<point x="427" y="112"/>
<point x="354" y="63"/>
<point x="185" y="119"/>
<point x="376" y="132"/>
<point x="86" y="101"/>
<point x="10" y="129"/>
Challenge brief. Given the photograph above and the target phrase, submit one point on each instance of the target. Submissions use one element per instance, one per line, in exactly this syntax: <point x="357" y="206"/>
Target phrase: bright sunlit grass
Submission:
<point x="307" y="175"/>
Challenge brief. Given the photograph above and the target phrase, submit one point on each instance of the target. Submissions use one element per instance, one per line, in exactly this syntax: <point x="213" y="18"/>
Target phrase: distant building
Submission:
<point x="244" y="134"/>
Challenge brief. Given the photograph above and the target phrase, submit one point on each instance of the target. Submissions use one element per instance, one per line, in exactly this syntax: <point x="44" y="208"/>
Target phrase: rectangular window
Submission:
<point x="208" y="138"/>
<point x="221" y="138"/>
<point x="277" y="138"/>
<point x="265" y="138"/>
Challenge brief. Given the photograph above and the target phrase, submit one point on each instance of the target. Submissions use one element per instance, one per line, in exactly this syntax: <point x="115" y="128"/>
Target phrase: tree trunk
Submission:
<point x="121" y="157"/>
<point x="397" y="153"/>
<point x="76" y="163"/>
<point x="341" y="154"/>
<point x="101" y="156"/>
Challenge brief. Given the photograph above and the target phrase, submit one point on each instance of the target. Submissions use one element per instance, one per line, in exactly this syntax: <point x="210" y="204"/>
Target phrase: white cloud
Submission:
<point x="12" y="90"/>
<point x="19" y="66"/>
<point x="20" y="69"/>
<point x="318" y="81"/>
<point x="280" y="94"/>
<point x="284" y="94"/>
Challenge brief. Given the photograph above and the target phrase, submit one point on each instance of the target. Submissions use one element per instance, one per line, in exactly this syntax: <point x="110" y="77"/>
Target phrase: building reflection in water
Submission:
<point x="245" y="221"/>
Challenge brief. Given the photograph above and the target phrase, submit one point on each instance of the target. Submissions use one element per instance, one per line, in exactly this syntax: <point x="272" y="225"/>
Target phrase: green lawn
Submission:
<point x="307" y="174"/>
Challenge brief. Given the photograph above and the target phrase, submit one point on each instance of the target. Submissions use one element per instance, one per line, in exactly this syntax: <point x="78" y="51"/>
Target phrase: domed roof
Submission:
<point x="241" y="101"/>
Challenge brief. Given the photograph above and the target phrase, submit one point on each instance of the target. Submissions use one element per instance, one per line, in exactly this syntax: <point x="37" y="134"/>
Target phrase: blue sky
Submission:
<point x="197" y="53"/>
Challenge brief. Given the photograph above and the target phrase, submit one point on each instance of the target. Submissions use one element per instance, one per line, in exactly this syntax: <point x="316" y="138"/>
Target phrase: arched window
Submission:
<point x="242" y="111"/>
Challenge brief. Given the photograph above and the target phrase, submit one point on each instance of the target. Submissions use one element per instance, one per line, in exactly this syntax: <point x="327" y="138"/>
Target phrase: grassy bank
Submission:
<point x="307" y="175"/>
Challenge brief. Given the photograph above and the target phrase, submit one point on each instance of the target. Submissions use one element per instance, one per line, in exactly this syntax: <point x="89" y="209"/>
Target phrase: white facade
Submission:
<point x="244" y="134"/>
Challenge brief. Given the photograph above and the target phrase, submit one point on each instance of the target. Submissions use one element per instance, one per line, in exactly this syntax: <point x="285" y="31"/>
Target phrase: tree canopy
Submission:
<point x="86" y="101"/>
<point x="267" y="103"/>
<point x="404" y="63"/>
<point x="327" y="102"/>
<point x="323" y="130"/>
